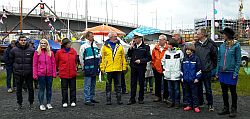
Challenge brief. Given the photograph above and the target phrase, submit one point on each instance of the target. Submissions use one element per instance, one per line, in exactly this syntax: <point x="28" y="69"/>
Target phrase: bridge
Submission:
<point x="77" y="22"/>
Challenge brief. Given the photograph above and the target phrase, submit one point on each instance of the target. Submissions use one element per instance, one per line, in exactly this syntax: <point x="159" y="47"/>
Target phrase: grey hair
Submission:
<point x="110" y="34"/>
<point x="163" y="37"/>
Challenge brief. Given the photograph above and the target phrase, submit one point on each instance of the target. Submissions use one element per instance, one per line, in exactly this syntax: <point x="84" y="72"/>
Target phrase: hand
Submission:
<point x="138" y="61"/>
<point x="132" y="44"/>
<point x="181" y="79"/>
<point x="196" y="80"/>
<point x="234" y="77"/>
<point x="216" y="76"/>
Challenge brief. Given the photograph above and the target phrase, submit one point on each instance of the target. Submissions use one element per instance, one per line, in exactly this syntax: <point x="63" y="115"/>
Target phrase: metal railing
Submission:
<point x="71" y="16"/>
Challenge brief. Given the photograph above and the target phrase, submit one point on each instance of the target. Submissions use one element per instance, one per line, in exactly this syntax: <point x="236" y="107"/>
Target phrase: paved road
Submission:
<point x="149" y="110"/>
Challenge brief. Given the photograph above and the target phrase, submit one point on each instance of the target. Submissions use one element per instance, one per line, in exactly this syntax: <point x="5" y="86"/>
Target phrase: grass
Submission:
<point x="243" y="88"/>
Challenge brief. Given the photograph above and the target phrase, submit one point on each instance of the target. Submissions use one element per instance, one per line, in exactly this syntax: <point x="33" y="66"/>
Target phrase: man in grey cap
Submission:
<point x="140" y="55"/>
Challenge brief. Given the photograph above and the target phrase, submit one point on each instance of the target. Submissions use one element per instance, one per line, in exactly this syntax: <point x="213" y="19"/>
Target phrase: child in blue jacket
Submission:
<point x="191" y="74"/>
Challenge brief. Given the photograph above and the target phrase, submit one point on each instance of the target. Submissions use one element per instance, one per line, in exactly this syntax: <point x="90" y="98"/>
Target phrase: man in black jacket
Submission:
<point x="9" y="67"/>
<point x="21" y="56"/>
<point x="207" y="51"/>
<point x="140" y="55"/>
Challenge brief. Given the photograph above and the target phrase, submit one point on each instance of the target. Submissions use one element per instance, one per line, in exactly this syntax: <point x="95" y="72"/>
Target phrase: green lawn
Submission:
<point x="243" y="87"/>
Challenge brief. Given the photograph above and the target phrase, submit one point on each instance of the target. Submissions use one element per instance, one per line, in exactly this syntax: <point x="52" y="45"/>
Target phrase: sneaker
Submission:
<point x="94" y="101"/>
<point x="49" y="106"/>
<point x="65" y="105"/>
<point x="42" y="108"/>
<point x="210" y="108"/>
<point x="197" y="110"/>
<point x="187" y="108"/>
<point x="10" y="90"/>
<point x="73" y="104"/>
<point x="233" y="113"/>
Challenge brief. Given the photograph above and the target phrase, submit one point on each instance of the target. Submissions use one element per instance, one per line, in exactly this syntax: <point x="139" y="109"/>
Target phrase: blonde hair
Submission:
<point x="39" y="49"/>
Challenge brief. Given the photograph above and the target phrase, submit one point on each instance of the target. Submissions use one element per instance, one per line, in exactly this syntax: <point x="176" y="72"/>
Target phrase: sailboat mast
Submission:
<point x="212" y="21"/>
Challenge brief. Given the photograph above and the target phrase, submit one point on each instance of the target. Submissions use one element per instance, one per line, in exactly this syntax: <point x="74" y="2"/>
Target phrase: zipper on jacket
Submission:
<point x="225" y="56"/>
<point x="45" y="64"/>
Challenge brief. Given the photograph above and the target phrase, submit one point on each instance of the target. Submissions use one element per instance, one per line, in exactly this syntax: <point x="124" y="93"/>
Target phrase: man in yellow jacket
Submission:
<point x="113" y="63"/>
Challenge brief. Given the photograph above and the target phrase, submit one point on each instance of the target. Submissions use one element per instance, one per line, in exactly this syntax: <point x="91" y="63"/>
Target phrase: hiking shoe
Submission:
<point x="19" y="107"/>
<point x="42" y="108"/>
<point x="89" y="104"/>
<point x="108" y="103"/>
<point x="157" y="99"/>
<point x="233" y="113"/>
<point x="210" y="108"/>
<point x="197" y="110"/>
<point x="187" y="108"/>
<point x="130" y="102"/>
<point x="141" y="102"/>
<point x="65" y="105"/>
<point x="94" y="101"/>
<point x="10" y="90"/>
<point x="49" y="106"/>
<point x="224" y="111"/>
<point x="170" y="104"/>
<point x="73" y="104"/>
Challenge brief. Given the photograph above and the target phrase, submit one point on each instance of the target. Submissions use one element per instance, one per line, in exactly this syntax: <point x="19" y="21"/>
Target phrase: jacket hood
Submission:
<point x="22" y="47"/>
<point x="107" y="42"/>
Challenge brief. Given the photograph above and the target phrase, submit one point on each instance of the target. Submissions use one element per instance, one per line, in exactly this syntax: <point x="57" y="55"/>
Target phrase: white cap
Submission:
<point x="137" y="34"/>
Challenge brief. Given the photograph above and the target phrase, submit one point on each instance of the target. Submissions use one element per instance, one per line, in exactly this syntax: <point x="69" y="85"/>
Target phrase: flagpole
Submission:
<point x="21" y="16"/>
<point x="212" y="21"/>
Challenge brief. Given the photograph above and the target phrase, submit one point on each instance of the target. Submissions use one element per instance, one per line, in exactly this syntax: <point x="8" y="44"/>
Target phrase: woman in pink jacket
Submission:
<point x="44" y="69"/>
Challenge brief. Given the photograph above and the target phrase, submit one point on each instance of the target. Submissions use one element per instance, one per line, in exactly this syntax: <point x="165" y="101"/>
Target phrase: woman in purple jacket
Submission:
<point x="44" y="69"/>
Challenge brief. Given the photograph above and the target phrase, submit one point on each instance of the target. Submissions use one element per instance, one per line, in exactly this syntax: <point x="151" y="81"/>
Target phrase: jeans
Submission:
<point x="9" y="72"/>
<point x="19" y="83"/>
<point x="89" y="88"/>
<point x="206" y="79"/>
<point x="184" y="95"/>
<point x="232" y="88"/>
<point x="174" y="91"/>
<point x="117" y="82"/>
<point x="71" y="84"/>
<point x="191" y="93"/>
<point x="45" y="83"/>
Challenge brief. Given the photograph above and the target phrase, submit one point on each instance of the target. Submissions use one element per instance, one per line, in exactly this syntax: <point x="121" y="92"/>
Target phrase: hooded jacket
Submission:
<point x="191" y="68"/>
<point x="43" y="64"/>
<point x="172" y="64"/>
<point x="66" y="63"/>
<point x="157" y="56"/>
<point x="113" y="60"/>
<point x="229" y="58"/>
<point x="6" y="55"/>
<point x="22" y="58"/>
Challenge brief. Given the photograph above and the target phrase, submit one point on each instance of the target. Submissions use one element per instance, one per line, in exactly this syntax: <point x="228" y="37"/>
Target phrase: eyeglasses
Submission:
<point x="43" y="43"/>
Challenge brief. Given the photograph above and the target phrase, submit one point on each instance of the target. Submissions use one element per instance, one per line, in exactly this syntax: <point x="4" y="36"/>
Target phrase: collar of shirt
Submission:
<point x="138" y="45"/>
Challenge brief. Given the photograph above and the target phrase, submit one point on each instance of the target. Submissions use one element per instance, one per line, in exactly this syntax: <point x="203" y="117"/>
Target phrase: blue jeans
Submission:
<point x="9" y="71"/>
<point x="89" y="88"/>
<point x="206" y="79"/>
<point x="191" y="93"/>
<point x="174" y="91"/>
<point x="45" y="82"/>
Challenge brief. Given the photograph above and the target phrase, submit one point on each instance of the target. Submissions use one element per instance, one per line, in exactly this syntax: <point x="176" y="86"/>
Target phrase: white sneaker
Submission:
<point x="65" y="105"/>
<point x="42" y="107"/>
<point x="73" y="104"/>
<point x="49" y="106"/>
<point x="10" y="90"/>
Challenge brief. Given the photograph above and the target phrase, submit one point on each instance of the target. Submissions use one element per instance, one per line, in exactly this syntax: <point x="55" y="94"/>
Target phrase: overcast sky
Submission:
<point x="183" y="12"/>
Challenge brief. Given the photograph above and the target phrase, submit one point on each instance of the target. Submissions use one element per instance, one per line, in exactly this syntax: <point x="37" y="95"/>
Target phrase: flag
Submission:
<point x="4" y="15"/>
<point x="1" y="20"/>
<point x="247" y="29"/>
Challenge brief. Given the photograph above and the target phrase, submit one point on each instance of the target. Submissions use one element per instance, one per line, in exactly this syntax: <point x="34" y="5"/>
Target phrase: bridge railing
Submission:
<point x="71" y="16"/>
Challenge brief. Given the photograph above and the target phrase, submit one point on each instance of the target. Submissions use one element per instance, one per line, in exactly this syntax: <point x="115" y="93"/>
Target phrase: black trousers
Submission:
<point x="71" y="84"/>
<point x="123" y="83"/>
<point x="19" y="83"/>
<point x="158" y="85"/>
<point x="117" y="82"/>
<point x="232" y="88"/>
<point x="137" y="74"/>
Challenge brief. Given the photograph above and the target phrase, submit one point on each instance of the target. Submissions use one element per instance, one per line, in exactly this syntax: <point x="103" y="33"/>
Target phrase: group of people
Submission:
<point x="175" y="65"/>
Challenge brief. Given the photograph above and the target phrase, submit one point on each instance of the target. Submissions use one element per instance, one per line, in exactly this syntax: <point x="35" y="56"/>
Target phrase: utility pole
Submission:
<point x="86" y="14"/>
<point x="156" y="18"/>
<point x="21" y="16"/>
<point x="54" y="5"/>
<point x="137" y="12"/>
<point x="107" y="12"/>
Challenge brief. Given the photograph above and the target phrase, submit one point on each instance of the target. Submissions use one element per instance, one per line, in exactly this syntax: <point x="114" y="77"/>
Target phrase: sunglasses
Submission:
<point x="43" y="43"/>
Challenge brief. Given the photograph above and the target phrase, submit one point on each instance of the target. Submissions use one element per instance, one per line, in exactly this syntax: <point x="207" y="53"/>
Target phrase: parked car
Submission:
<point x="244" y="54"/>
